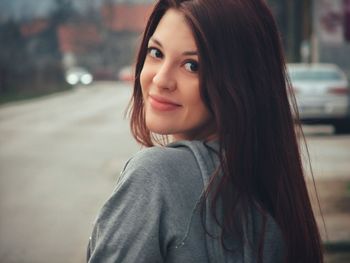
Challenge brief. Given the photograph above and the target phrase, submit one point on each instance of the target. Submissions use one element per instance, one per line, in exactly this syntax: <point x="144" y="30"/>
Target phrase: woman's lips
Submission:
<point x="162" y="104"/>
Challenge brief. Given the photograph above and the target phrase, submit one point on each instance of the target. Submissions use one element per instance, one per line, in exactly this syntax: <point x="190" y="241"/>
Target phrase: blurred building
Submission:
<point x="123" y="23"/>
<point x="102" y="35"/>
<point x="315" y="30"/>
<point x="37" y="47"/>
<point x="294" y="19"/>
<point x="105" y="40"/>
<point x="331" y="25"/>
<point x="29" y="57"/>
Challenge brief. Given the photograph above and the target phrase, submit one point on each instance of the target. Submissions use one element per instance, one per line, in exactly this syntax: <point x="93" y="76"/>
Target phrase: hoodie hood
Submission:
<point x="207" y="157"/>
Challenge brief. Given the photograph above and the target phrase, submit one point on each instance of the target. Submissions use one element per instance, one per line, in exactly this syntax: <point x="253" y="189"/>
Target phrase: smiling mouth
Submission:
<point x="161" y="104"/>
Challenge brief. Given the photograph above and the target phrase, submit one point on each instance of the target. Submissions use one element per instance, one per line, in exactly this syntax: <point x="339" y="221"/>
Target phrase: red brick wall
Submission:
<point x="34" y="27"/>
<point x="126" y="17"/>
<point x="76" y="38"/>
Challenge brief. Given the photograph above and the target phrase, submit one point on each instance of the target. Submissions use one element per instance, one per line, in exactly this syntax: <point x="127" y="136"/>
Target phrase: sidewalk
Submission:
<point x="334" y="197"/>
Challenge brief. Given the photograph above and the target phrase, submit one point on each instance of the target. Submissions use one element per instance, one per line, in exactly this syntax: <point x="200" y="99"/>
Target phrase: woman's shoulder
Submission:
<point x="170" y="166"/>
<point x="161" y="159"/>
<point x="163" y="175"/>
<point x="178" y="156"/>
<point x="174" y="155"/>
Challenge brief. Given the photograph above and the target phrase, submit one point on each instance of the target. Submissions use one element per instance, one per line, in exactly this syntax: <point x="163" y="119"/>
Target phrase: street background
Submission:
<point x="60" y="156"/>
<point x="64" y="143"/>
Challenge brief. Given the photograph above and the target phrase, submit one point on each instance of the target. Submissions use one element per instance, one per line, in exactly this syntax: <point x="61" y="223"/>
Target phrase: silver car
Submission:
<point x="322" y="94"/>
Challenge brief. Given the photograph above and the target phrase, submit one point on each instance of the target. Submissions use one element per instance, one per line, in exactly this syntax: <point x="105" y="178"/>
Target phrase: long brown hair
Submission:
<point x="243" y="83"/>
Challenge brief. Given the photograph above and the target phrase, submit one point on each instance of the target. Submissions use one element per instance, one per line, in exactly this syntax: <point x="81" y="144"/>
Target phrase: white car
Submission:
<point x="322" y="94"/>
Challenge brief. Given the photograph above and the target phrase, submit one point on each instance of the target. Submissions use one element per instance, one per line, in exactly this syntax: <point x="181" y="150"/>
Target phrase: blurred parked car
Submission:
<point x="126" y="74"/>
<point x="78" y="75"/>
<point x="322" y="94"/>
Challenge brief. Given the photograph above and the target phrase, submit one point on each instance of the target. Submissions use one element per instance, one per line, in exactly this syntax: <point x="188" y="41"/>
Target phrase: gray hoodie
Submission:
<point x="153" y="215"/>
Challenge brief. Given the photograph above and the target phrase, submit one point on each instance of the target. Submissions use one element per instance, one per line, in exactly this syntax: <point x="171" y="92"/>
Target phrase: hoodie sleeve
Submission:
<point x="128" y="228"/>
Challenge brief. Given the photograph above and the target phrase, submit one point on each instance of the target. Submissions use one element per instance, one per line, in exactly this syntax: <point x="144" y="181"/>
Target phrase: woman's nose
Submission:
<point x="164" y="77"/>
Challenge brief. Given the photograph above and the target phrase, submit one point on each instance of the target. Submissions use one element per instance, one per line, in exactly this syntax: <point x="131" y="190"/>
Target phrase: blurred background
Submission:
<point x="65" y="81"/>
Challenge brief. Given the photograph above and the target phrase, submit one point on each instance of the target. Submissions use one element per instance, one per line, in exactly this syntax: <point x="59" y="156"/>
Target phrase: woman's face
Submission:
<point x="170" y="82"/>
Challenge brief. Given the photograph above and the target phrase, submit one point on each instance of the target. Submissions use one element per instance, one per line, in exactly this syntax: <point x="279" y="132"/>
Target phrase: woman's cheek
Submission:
<point x="145" y="76"/>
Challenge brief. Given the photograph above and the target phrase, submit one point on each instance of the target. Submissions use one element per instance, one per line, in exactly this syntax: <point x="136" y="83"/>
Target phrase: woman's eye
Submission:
<point x="191" y="66"/>
<point x="154" y="52"/>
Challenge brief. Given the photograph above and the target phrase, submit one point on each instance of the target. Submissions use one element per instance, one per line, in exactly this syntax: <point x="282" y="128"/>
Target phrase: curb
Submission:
<point x="337" y="246"/>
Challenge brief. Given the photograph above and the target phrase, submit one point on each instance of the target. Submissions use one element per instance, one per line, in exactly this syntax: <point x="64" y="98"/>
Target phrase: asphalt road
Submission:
<point x="60" y="156"/>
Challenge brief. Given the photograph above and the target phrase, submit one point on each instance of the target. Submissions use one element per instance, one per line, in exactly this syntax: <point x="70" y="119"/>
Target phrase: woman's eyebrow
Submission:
<point x="153" y="39"/>
<point x="186" y="53"/>
<point x="190" y="53"/>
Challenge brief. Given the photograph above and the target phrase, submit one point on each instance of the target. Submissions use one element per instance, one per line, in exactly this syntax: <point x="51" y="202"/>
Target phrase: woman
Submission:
<point x="210" y="77"/>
